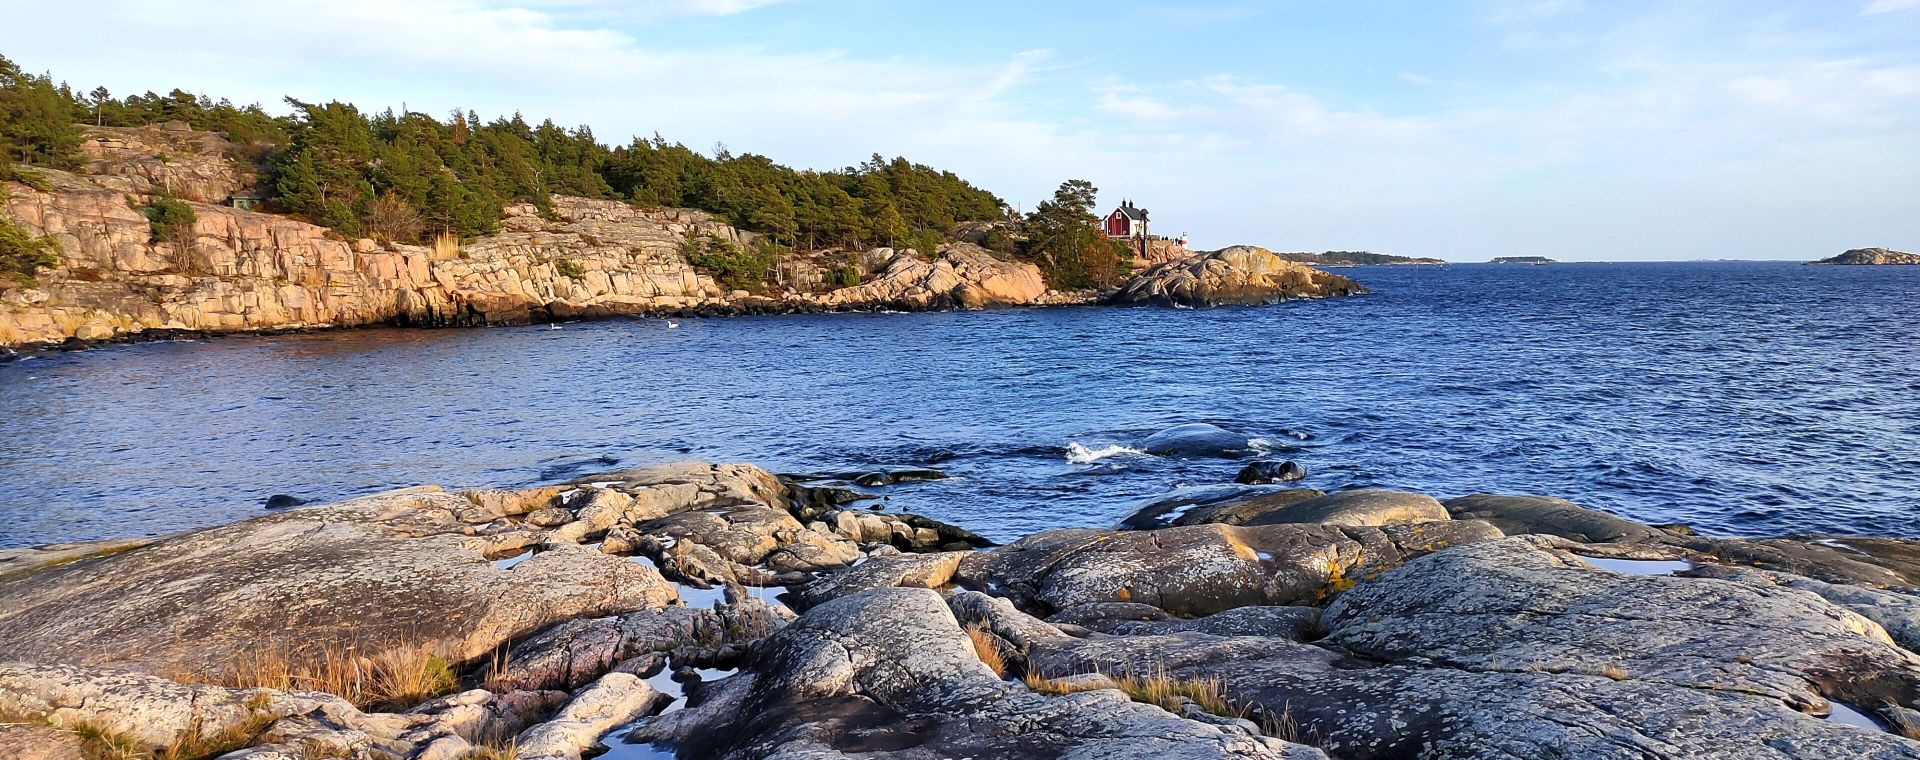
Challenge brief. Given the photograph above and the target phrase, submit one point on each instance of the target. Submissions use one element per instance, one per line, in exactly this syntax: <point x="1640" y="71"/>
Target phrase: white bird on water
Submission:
<point x="672" y="324"/>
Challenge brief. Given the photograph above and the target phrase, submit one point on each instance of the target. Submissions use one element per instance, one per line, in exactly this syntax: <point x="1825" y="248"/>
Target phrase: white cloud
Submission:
<point x="1878" y="7"/>
<point x="1412" y="78"/>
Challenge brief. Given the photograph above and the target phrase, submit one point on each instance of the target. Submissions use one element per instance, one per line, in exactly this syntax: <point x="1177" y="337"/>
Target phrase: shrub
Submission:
<point x="22" y="255"/>
<point x="1000" y="240"/>
<point x="569" y="269"/>
<point x="394" y="220"/>
<point x="736" y="267"/>
<point x="171" y="221"/>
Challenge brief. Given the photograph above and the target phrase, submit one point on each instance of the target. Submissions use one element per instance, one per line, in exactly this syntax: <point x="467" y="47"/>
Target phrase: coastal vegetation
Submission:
<point x="408" y="176"/>
<point x="1063" y="239"/>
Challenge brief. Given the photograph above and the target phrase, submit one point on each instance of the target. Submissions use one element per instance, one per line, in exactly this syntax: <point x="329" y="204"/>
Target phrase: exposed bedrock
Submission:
<point x="890" y="672"/>
<point x="1269" y="623"/>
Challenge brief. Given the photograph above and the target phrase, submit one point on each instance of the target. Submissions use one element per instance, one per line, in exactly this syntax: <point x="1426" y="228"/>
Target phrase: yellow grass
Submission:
<point x="1614" y="672"/>
<point x="445" y="246"/>
<point x="389" y="678"/>
<point x="1156" y="688"/>
<point x="987" y="647"/>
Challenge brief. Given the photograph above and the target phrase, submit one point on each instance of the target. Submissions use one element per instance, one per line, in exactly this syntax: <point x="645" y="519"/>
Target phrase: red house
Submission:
<point x="1127" y="221"/>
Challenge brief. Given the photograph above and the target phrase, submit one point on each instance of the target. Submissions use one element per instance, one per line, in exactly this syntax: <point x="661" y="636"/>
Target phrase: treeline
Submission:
<point x="410" y="176"/>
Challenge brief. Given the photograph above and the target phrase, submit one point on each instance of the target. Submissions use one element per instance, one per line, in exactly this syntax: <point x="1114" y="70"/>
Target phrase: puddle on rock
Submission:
<point x="663" y="682"/>
<point x="619" y="749"/>
<point x="508" y="563"/>
<point x="1639" y="566"/>
<point x="1844" y="713"/>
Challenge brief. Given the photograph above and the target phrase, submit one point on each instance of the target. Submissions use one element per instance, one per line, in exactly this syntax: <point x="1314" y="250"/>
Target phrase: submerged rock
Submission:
<point x="1197" y="439"/>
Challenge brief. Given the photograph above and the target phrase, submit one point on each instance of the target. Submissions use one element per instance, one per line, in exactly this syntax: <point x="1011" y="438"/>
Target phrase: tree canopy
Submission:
<point x="409" y="177"/>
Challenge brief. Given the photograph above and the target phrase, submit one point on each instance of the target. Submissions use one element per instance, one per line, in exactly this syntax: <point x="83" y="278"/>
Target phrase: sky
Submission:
<point x="1575" y="129"/>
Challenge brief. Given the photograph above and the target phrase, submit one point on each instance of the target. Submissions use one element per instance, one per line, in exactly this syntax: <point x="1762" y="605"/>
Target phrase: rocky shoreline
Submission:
<point x="236" y="270"/>
<point x="723" y="611"/>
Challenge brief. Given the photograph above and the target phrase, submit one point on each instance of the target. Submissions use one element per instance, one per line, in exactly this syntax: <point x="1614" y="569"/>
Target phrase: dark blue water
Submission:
<point x="1744" y="398"/>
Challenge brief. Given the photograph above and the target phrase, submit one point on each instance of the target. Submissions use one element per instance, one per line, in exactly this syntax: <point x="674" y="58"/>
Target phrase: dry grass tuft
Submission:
<point x="987" y="647"/>
<point x="446" y="246"/>
<point x="493" y="751"/>
<point x="1157" y="688"/>
<point x="100" y="743"/>
<point x="389" y="679"/>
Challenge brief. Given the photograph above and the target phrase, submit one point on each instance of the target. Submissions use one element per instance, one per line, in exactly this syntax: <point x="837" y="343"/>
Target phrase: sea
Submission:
<point x="1741" y="398"/>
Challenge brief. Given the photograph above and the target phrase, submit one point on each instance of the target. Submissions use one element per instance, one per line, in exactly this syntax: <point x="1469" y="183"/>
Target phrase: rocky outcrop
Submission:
<point x="1367" y="623"/>
<point x="963" y="276"/>
<point x="1202" y="569"/>
<point x="1871" y="256"/>
<point x="890" y="673"/>
<point x="1237" y="275"/>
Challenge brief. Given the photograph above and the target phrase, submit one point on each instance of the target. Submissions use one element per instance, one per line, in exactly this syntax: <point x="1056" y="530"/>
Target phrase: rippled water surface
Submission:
<point x="1739" y="397"/>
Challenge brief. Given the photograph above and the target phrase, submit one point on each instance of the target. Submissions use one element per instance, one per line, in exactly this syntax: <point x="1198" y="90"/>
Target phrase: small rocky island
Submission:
<point x="721" y="611"/>
<point x="1869" y="256"/>
<point x="1522" y="260"/>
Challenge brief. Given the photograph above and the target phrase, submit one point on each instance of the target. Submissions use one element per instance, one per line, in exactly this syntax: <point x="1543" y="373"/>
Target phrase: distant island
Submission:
<point x="1522" y="260"/>
<point x="1860" y="256"/>
<point x="1356" y="258"/>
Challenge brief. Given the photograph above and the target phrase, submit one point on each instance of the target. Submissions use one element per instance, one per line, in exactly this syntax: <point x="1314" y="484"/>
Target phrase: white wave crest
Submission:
<point x="1078" y="453"/>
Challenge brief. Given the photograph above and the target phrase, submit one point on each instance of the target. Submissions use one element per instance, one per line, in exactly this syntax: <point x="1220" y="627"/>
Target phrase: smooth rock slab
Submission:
<point x="1359" y="709"/>
<point x="1523" y="604"/>
<point x="381" y="571"/>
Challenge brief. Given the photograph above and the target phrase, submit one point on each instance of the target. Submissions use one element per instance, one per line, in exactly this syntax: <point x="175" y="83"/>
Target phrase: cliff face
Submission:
<point x="247" y="271"/>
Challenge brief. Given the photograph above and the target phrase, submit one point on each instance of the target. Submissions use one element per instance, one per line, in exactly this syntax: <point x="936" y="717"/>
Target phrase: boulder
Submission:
<point x="890" y="671"/>
<point x="915" y="570"/>
<point x="1236" y="275"/>
<point x="1265" y="472"/>
<point x="614" y="700"/>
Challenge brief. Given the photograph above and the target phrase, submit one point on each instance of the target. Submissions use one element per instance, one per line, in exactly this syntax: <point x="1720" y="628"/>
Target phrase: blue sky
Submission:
<point x="1568" y="128"/>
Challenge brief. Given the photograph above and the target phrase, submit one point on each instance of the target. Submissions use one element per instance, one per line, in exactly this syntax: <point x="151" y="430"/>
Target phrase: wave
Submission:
<point x="1078" y="453"/>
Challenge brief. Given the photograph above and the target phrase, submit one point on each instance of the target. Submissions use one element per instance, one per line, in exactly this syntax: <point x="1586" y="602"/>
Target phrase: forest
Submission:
<point x="410" y="177"/>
